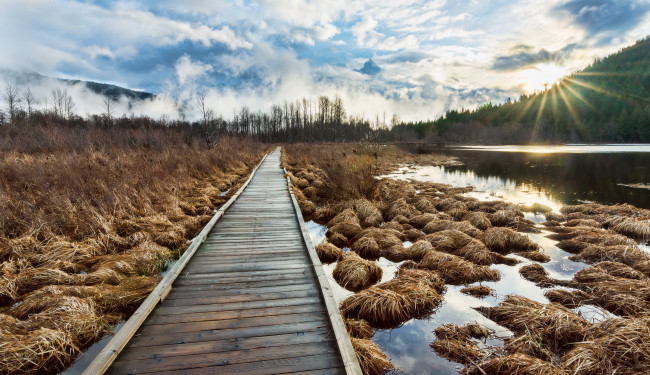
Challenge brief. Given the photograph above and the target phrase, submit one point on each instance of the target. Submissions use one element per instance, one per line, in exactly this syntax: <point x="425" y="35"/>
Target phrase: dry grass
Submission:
<point x="634" y="229"/>
<point x="328" y="253"/>
<point x="628" y="255"/>
<point x="554" y="216"/>
<point x="400" y="207"/>
<point x="346" y="228"/>
<point x="619" y="346"/>
<point x="534" y="272"/>
<point x="556" y="326"/>
<point x="371" y="359"/>
<point x="359" y="328"/>
<point x="448" y="240"/>
<point x="367" y="248"/>
<point x="411" y="294"/>
<point x="395" y="254"/>
<point x="346" y="216"/>
<point x="369" y="215"/>
<point x="479" y="291"/>
<point x="455" y="270"/>
<point x="355" y="273"/>
<point x="461" y="226"/>
<point x="419" y="249"/>
<point x="385" y="238"/>
<point x="506" y="241"/>
<point x="92" y="213"/>
<point x="603" y="271"/>
<point x="420" y="221"/>
<point x="479" y="220"/>
<point x="537" y="208"/>
<point x="476" y="252"/>
<point x="414" y="235"/>
<point x="517" y="363"/>
<point x="455" y="342"/>
<point x="536" y="256"/>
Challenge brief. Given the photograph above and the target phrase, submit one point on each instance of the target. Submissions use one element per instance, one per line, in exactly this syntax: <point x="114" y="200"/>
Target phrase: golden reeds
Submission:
<point x="461" y="226"/>
<point x="516" y="363"/>
<point x="346" y="228"/>
<point x="414" y="234"/>
<point x="367" y="248"/>
<point x="634" y="229"/>
<point x="328" y="253"/>
<point x="395" y="253"/>
<point x="455" y="270"/>
<point x="385" y="238"/>
<point x="556" y="326"/>
<point x="505" y="241"/>
<point x="400" y="207"/>
<point x="478" y="291"/>
<point x="420" y="221"/>
<point x="359" y="328"/>
<point x="355" y="273"/>
<point x="448" y="240"/>
<point x="368" y="213"/>
<point x="479" y="220"/>
<point x="371" y="359"/>
<point x="455" y="342"/>
<point x="346" y="216"/>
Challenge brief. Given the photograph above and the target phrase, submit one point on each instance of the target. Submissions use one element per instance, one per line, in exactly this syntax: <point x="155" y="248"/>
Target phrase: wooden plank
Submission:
<point x="278" y="366"/>
<point x="226" y="334"/>
<point x="247" y="343"/>
<point x="104" y="359"/>
<point x="192" y="361"/>
<point x="208" y="325"/>
<point x="233" y="314"/>
<point x="192" y="293"/>
<point x="217" y="307"/>
<point x="246" y="297"/>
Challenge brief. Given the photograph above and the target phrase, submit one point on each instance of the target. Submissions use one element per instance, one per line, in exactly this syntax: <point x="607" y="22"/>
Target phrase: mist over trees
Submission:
<point x="609" y="101"/>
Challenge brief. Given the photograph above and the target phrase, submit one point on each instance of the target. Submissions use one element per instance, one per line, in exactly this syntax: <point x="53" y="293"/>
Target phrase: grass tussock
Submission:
<point x="461" y="226"/>
<point x="371" y="359"/>
<point x="346" y="216"/>
<point x="368" y="214"/>
<point x="328" y="253"/>
<point x="359" y="328"/>
<point x="385" y="238"/>
<point x="345" y="228"/>
<point x="506" y="241"/>
<point x="516" y="363"/>
<point x="419" y="249"/>
<point x="455" y="270"/>
<point x="355" y="273"/>
<point x="367" y="248"/>
<point x="455" y="342"/>
<point x="557" y="327"/>
<point x="448" y="240"/>
<point x="479" y="291"/>
<point x="411" y="294"/>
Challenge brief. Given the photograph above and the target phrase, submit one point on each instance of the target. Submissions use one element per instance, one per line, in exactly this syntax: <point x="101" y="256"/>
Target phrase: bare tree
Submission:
<point x="69" y="105"/>
<point x="108" y="107"/>
<point x="62" y="103"/>
<point x="11" y="97"/>
<point x="30" y="101"/>
<point x="208" y="126"/>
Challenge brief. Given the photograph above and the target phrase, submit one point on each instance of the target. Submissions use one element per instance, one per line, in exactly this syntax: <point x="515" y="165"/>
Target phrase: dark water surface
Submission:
<point x="562" y="174"/>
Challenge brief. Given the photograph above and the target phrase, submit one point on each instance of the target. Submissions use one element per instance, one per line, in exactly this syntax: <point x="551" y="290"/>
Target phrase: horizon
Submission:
<point x="415" y="60"/>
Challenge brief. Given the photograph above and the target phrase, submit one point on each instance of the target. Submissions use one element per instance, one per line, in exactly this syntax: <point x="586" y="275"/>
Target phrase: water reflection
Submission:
<point x="562" y="174"/>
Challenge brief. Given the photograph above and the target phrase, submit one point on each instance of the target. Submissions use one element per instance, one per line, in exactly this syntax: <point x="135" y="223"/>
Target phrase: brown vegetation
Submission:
<point x="355" y="273"/>
<point x="90" y="217"/>
<point x="328" y="253"/>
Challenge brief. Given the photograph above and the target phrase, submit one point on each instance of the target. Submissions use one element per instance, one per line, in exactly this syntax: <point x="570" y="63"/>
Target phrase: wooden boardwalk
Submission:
<point x="248" y="301"/>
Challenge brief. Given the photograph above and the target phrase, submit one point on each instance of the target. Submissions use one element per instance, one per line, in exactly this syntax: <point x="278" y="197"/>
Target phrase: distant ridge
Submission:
<point x="114" y="92"/>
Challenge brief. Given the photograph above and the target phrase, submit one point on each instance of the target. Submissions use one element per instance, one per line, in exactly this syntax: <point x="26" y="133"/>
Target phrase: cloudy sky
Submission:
<point x="427" y="56"/>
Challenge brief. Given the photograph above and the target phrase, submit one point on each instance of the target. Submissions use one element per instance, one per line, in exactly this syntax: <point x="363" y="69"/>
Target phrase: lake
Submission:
<point x="554" y="176"/>
<point x="557" y="175"/>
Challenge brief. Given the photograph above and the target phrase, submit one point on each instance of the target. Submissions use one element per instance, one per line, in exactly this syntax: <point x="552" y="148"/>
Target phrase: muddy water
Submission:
<point x="551" y="176"/>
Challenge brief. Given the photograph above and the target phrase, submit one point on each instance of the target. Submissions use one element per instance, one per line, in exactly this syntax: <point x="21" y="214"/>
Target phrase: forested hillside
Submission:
<point x="609" y="101"/>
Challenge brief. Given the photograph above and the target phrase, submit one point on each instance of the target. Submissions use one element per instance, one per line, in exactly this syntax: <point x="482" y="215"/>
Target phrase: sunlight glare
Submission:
<point x="543" y="74"/>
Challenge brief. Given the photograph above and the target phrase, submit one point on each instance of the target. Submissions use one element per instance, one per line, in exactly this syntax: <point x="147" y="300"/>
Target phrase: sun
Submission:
<point x="542" y="76"/>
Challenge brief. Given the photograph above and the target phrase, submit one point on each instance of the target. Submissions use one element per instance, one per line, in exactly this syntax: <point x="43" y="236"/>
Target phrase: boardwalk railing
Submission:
<point x="105" y="358"/>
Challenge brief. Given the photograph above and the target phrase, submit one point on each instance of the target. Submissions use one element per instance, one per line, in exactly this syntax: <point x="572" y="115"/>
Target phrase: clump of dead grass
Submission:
<point x="461" y="226"/>
<point x="455" y="342"/>
<point x="505" y="241"/>
<point x="479" y="291"/>
<point x="359" y="328"/>
<point x="371" y="359"/>
<point x="455" y="270"/>
<point x="367" y="248"/>
<point x="355" y="273"/>
<point x="328" y="253"/>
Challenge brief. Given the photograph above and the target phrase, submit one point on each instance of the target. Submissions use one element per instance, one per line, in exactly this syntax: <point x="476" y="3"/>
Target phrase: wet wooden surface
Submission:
<point x="247" y="302"/>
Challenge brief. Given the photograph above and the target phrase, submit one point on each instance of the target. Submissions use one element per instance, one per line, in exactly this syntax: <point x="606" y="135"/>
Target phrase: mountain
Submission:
<point x="27" y="79"/>
<point x="370" y="68"/>
<point x="608" y="101"/>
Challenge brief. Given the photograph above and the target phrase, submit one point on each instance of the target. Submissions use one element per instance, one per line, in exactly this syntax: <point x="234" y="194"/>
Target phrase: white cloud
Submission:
<point x="186" y="70"/>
